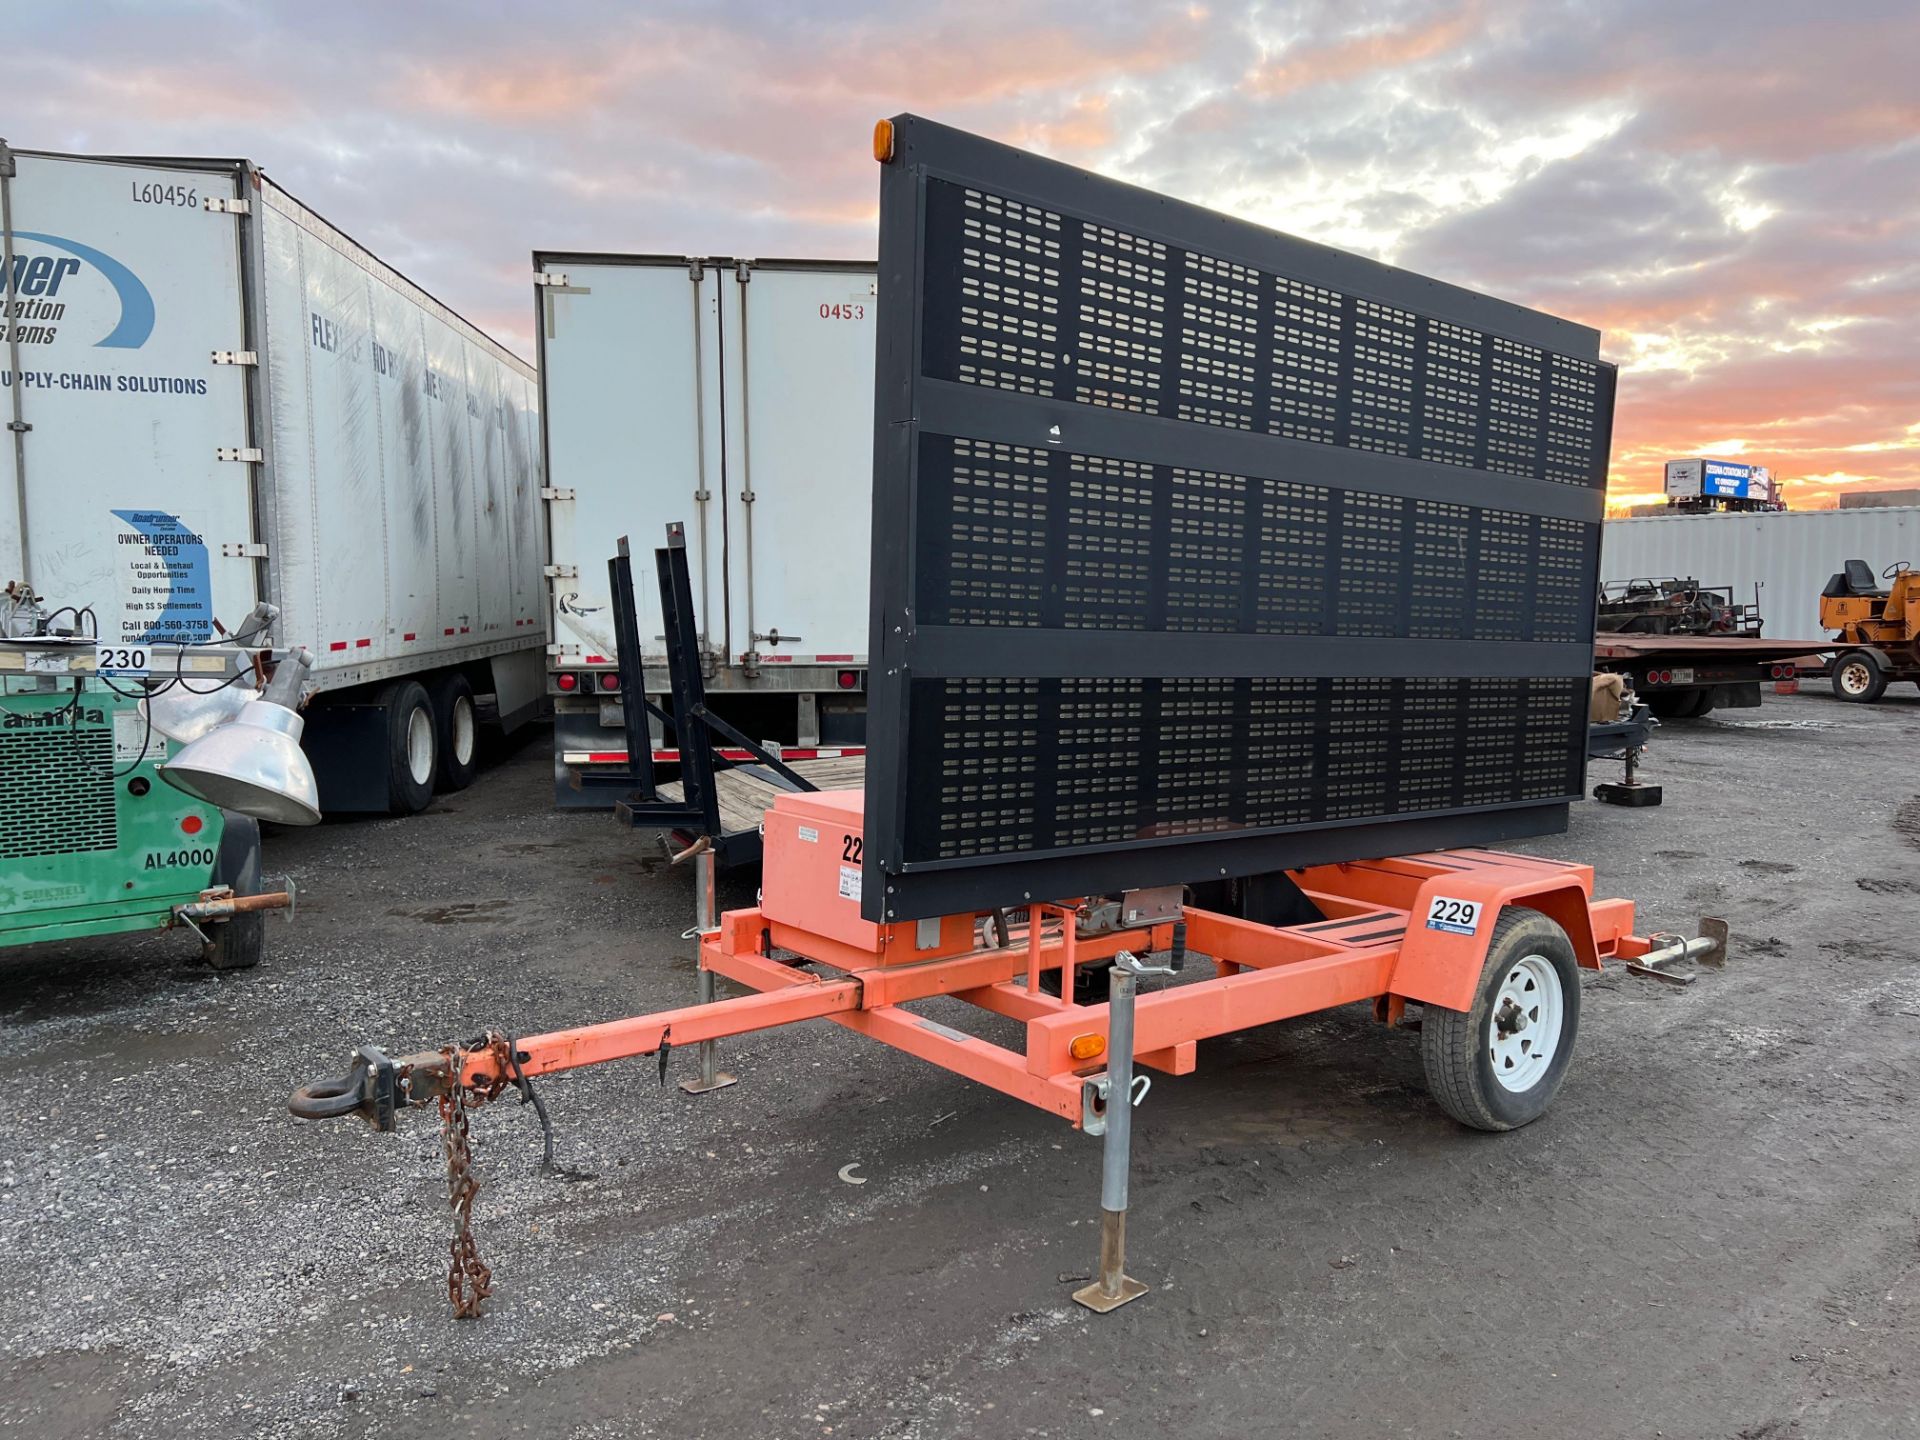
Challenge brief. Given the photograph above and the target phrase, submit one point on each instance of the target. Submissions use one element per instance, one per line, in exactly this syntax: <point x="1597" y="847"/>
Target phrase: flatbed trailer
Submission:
<point x="1684" y="677"/>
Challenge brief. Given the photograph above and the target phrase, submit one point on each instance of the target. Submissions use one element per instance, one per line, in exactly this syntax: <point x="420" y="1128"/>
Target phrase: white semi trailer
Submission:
<point x="213" y="397"/>
<point x="735" y="396"/>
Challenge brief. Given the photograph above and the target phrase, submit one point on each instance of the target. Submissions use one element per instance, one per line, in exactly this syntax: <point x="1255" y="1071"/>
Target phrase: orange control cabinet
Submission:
<point x="813" y="848"/>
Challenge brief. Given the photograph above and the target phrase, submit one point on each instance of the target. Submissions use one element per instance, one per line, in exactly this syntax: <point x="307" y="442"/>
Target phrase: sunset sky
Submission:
<point x="1731" y="191"/>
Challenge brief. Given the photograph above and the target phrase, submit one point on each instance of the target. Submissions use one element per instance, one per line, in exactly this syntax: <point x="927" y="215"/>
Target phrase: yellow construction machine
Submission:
<point x="1878" y="625"/>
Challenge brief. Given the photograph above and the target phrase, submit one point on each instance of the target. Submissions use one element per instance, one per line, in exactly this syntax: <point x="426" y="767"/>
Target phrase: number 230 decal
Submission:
<point x="1457" y="917"/>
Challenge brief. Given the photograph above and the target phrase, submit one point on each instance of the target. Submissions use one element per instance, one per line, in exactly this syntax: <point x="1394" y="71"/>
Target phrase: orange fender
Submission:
<point x="1441" y="967"/>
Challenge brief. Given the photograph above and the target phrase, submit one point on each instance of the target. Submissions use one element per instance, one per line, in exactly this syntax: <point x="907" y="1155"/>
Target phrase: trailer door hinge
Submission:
<point x="245" y="549"/>
<point x="236" y="357"/>
<point x="227" y="205"/>
<point x="557" y="492"/>
<point x="245" y="454"/>
<point x="19" y="427"/>
<point x="561" y="572"/>
<point x="696" y="270"/>
<point x="743" y="272"/>
<point x="549" y="277"/>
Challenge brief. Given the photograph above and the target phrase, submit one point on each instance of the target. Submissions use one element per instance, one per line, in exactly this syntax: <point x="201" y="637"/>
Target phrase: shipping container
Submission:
<point x="1789" y="554"/>
<point x="735" y="396"/>
<point x="216" y="397"/>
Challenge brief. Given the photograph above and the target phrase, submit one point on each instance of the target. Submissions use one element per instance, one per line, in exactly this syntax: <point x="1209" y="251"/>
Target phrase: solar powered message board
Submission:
<point x="1200" y="550"/>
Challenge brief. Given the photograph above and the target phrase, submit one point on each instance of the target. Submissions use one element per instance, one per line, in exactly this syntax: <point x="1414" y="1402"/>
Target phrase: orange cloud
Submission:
<point x="1086" y="128"/>
<point x="1363" y="54"/>
<point x="521" y="89"/>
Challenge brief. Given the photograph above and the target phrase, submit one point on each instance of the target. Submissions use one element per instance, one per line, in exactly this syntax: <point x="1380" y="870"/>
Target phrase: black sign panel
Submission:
<point x="1200" y="550"/>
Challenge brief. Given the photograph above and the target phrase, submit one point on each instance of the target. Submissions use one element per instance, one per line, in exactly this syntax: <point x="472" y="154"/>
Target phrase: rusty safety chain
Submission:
<point x="469" y="1281"/>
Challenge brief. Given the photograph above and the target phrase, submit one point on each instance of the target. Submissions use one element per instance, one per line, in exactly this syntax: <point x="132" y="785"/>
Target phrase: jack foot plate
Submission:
<point x="1095" y="1298"/>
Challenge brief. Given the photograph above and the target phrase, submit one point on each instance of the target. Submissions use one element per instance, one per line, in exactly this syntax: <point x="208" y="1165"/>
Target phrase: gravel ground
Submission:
<point x="1714" y="1233"/>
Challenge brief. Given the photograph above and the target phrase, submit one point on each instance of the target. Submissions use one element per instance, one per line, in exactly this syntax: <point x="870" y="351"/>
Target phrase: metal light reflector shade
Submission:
<point x="253" y="764"/>
<point x="183" y="714"/>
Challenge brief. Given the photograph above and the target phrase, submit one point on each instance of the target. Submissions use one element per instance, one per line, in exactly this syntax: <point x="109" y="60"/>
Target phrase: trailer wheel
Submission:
<point x="1857" y="676"/>
<point x="412" y="746"/>
<point x="1680" y="704"/>
<point x="457" y="729"/>
<point x="239" y="943"/>
<point x="1499" y="1065"/>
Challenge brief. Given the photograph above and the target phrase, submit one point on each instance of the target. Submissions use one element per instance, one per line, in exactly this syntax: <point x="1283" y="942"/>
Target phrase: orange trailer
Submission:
<point x="1488" y="944"/>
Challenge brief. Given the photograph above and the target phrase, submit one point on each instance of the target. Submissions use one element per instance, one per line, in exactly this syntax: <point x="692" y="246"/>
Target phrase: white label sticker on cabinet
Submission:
<point x="1456" y="917"/>
<point x="809" y="834"/>
<point x="849" y="883"/>
<point x="134" y="740"/>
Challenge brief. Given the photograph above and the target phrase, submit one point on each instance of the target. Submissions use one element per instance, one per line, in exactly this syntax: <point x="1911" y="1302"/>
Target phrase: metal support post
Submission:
<point x="1115" y="1287"/>
<point x="705" y="919"/>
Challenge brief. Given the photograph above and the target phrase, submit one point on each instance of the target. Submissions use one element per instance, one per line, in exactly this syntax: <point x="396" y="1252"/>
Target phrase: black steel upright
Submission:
<point x="684" y="679"/>
<point x="697" y="731"/>
<point x="1200" y="550"/>
<point x="633" y="688"/>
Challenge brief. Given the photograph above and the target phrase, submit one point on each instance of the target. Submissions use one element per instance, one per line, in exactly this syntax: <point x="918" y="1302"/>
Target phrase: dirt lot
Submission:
<point x="1714" y="1233"/>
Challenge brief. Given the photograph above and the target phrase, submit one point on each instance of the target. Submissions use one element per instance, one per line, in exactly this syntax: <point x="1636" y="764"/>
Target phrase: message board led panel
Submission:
<point x="1200" y="550"/>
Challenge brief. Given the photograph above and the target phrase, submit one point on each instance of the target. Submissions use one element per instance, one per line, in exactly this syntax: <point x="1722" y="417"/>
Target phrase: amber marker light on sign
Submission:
<point x="883" y="140"/>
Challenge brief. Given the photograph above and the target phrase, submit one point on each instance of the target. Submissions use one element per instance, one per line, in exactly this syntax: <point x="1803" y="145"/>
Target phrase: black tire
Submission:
<point x="412" y="747"/>
<point x="239" y="943"/>
<point x="1526" y="953"/>
<point x="1859" y="677"/>
<point x="1680" y="704"/>
<point x="456" y="731"/>
<point x="1092" y="982"/>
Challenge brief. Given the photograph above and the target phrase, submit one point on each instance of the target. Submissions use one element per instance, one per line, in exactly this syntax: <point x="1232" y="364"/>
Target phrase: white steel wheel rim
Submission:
<point x="1523" y="1030"/>
<point x="420" y="745"/>
<point x="463" y="730"/>
<point x="1854" y="677"/>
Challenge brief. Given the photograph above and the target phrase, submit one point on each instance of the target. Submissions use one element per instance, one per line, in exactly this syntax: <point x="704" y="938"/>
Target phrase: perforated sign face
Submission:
<point x="1200" y="550"/>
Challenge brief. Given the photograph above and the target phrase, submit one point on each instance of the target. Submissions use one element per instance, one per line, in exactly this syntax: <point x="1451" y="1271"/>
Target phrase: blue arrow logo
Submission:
<point x="136" y="302"/>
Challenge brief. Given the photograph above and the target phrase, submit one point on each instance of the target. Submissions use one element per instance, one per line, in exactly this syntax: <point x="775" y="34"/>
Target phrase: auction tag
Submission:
<point x="849" y="882"/>
<point x="119" y="659"/>
<point x="1456" y="917"/>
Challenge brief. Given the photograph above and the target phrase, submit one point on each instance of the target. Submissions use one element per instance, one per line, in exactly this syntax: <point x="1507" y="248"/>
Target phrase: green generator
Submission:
<point x="93" y="841"/>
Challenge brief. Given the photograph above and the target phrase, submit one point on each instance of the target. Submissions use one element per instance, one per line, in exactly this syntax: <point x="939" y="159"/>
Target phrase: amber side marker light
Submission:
<point x="883" y="140"/>
<point x="1087" y="1047"/>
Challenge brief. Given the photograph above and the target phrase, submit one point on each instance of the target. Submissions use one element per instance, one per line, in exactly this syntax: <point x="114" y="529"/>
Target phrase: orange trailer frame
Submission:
<point x="804" y="954"/>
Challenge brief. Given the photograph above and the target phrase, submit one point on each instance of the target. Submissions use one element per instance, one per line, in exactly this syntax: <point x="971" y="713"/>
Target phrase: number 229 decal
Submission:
<point x="1456" y="917"/>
